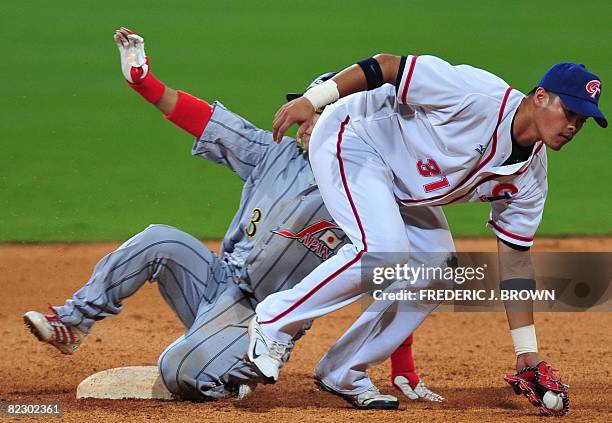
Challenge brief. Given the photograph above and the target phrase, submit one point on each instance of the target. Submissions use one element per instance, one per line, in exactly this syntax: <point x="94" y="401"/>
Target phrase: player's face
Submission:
<point x="557" y="124"/>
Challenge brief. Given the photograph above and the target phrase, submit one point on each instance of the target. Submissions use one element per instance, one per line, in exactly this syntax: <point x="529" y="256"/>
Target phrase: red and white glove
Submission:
<point x="189" y="113"/>
<point x="534" y="382"/>
<point x="413" y="387"/>
<point x="134" y="61"/>
<point x="135" y="65"/>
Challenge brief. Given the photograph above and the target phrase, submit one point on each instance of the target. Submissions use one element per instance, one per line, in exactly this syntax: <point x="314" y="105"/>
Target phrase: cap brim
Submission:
<point x="293" y="96"/>
<point x="585" y="108"/>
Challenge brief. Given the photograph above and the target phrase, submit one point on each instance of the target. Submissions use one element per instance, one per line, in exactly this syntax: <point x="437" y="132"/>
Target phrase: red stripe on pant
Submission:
<point x="363" y="236"/>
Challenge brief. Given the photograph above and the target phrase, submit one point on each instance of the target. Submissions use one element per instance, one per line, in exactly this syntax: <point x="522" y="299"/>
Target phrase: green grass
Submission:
<point x="84" y="158"/>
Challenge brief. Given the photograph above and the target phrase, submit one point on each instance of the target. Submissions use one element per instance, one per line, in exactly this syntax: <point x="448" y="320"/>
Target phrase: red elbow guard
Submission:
<point x="151" y="88"/>
<point x="190" y="113"/>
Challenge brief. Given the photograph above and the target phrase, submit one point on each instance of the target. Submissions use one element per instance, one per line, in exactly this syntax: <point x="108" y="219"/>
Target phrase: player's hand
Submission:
<point x="300" y="111"/>
<point x="419" y="392"/>
<point x="534" y="381"/>
<point x="309" y="127"/>
<point x="134" y="61"/>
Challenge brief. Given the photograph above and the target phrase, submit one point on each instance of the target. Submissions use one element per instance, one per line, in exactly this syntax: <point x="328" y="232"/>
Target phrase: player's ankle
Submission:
<point x="412" y="377"/>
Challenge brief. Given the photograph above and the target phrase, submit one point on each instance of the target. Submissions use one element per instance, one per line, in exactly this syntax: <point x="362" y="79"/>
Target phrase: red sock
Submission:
<point x="402" y="363"/>
<point x="190" y="113"/>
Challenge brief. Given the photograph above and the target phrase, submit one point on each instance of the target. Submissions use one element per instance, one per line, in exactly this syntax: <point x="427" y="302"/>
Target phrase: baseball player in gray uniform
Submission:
<point x="281" y="232"/>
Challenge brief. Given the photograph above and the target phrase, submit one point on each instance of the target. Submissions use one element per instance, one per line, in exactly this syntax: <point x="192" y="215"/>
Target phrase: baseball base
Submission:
<point x="139" y="382"/>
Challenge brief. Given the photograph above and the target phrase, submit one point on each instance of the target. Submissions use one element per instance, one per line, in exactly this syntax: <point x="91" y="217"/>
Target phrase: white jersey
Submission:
<point x="445" y="133"/>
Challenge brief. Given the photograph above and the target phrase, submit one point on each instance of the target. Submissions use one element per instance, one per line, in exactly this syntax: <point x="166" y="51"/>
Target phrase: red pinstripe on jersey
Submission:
<point x="408" y="78"/>
<point x="511" y="234"/>
<point x="363" y="235"/>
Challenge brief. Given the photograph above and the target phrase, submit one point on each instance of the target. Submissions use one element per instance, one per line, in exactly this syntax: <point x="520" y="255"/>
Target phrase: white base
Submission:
<point x="140" y="382"/>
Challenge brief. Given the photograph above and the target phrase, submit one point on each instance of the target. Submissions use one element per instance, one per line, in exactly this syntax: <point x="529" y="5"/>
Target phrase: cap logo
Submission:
<point x="593" y="88"/>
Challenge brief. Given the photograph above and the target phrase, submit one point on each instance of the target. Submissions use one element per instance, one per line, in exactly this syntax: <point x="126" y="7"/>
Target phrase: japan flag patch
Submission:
<point x="330" y="239"/>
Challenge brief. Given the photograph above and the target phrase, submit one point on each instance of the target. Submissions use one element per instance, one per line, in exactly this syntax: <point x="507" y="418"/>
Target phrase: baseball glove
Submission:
<point x="533" y="382"/>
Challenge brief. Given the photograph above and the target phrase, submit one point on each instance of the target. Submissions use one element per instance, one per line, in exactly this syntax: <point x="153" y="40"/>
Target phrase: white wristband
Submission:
<point x="524" y="339"/>
<point x="323" y="94"/>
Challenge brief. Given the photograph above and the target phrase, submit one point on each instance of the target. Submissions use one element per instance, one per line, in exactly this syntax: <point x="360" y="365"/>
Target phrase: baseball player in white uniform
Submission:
<point x="411" y="131"/>
<point x="280" y="233"/>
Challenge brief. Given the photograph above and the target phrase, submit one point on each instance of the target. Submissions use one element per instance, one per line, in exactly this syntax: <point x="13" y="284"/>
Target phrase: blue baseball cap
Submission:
<point x="578" y="88"/>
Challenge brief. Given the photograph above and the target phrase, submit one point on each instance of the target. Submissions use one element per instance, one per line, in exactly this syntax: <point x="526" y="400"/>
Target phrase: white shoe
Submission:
<point x="50" y="329"/>
<point x="419" y="392"/>
<point x="265" y="355"/>
<point x="371" y="399"/>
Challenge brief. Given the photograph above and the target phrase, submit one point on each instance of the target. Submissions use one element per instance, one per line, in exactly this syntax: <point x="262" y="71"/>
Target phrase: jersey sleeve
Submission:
<point x="517" y="220"/>
<point x="431" y="81"/>
<point x="231" y="140"/>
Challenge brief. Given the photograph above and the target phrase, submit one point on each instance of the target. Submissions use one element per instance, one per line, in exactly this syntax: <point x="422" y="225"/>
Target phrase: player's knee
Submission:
<point x="160" y="232"/>
<point x="166" y="241"/>
<point x="180" y="382"/>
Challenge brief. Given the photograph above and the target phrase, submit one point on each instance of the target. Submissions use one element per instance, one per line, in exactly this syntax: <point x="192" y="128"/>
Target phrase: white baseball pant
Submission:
<point x="356" y="186"/>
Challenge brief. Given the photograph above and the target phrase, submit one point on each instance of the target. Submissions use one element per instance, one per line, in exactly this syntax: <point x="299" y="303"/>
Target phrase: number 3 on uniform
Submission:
<point x="251" y="228"/>
<point x="431" y="169"/>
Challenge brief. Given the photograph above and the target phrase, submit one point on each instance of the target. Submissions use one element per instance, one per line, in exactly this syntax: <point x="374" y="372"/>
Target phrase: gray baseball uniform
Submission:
<point x="280" y="232"/>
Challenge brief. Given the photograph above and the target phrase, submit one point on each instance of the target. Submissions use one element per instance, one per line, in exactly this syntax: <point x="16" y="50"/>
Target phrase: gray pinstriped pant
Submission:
<point x="197" y="285"/>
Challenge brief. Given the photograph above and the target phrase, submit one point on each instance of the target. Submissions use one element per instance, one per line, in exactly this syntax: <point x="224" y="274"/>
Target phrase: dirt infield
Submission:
<point x="460" y="355"/>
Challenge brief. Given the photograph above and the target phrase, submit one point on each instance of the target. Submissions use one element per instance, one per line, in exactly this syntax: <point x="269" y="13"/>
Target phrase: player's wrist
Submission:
<point x="150" y="88"/>
<point x="323" y="94"/>
<point x="524" y="340"/>
<point x="530" y="359"/>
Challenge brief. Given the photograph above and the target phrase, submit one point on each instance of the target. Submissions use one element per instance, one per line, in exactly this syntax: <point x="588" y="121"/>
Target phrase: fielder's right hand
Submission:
<point x="134" y="61"/>
<point x="533" y="382"/>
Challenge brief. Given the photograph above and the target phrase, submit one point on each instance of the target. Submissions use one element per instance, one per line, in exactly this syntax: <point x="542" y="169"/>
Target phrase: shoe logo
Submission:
<point x="257" y="342"/>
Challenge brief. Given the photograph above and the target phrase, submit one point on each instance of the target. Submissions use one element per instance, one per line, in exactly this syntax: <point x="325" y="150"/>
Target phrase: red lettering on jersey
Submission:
<point x="500" y="189"/>
<point x="324" y="246"/>
<point x="431" y="168"/>
<point x="312" y="229"/>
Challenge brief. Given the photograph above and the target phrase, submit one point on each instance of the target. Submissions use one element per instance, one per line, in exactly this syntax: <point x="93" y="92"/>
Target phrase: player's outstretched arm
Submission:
<point x="516" y="271"/>
<point x="534" y="377"/>
<point x="184" y="110"/>
<point x="365" y="75"/>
